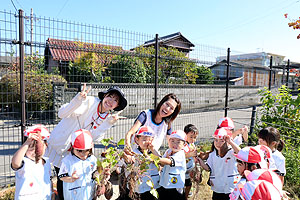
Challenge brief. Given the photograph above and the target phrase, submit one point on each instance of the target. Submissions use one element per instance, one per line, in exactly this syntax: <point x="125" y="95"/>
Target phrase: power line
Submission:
<point x="14" y="5"/>
<point x="62" y="8"/>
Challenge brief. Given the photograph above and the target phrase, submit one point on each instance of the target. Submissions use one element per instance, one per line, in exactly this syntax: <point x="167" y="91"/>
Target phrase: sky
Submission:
<point x="247" y="26"/>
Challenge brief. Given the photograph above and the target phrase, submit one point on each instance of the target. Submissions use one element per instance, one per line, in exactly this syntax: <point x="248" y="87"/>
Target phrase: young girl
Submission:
<point x="191" y="132"/>
<point x="33" y="171"/>
<point x="271" y="137"/>
<point x="83" y="112"/>
<point x="159" y="120"/>
<point x="78" y="167"/>
<point x="143" y="139"/>
<point x="248" y="158"/>
<point x="172" y="176"/>
<point x="221" y="163"/>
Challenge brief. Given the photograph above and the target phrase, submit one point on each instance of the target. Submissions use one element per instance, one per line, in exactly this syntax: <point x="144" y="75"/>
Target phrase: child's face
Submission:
<point x="144" y="141"/>
<point x="241" y="167"/>
<point x="191" y="137"/>
<point x="110" y="102"/>
<point x="167" y="108"/>
<point x="82" y="154"/>
<point x="30" y="153"/>
<point x="176" y="144"/>
<point x="219" y="143"/>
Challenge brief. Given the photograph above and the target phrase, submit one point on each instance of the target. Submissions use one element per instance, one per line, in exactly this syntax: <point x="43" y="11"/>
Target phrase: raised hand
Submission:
<point x="85" y="91"/>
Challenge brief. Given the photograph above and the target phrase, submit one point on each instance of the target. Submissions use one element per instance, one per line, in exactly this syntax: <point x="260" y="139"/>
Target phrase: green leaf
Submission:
<point x="105" y="142"/>
<point x="121" y="142"/>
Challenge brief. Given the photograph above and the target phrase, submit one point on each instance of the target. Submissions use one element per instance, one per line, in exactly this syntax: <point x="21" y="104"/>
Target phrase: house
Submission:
<point x="176" y="40"/>
<point x="59" y="53"/>
<point x="241" y="73"/>
<point x="250" y="69"/>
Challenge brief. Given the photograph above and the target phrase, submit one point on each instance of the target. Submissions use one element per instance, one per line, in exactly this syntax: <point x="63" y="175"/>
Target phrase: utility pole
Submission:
<point x="31" y="31"/>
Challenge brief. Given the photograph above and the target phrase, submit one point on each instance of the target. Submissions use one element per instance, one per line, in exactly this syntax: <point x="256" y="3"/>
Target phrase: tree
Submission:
<point x="295" y="24"/>
<point x="127" y="69"/>
<point x="205" y="76"/>
<point x="174" y="66"/>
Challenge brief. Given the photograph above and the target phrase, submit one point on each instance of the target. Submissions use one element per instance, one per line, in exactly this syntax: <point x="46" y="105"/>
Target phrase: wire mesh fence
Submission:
<point x="61" y="55"/>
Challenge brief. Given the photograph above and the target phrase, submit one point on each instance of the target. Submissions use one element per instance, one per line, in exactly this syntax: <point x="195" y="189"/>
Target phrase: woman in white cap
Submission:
<point x="84" y="112"/>
<point x="78" y="167"/>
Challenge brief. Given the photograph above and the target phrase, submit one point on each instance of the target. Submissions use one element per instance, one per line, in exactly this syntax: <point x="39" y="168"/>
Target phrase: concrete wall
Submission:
<point x="194" y="98"/>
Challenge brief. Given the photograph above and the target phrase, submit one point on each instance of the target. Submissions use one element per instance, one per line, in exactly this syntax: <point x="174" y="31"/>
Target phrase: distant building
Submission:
<point x="176" y="40"/>
<point x="241" y="73"/>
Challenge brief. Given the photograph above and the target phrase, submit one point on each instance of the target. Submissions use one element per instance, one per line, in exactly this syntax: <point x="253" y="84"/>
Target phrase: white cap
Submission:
<point x="178" y="134"/>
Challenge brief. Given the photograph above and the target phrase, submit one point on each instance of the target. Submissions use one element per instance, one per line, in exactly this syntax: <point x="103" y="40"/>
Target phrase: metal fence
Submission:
<point x="44" y="62"/>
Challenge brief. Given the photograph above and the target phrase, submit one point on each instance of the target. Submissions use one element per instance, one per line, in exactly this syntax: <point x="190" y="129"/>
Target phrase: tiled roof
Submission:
<point x="66" y="50"/>
<point x="167" y="38"/>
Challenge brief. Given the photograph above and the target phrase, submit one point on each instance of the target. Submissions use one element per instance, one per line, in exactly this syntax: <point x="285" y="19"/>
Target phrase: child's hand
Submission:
<point x="228" y="139"/>
<point x="74" y="176"/>
<point x="151" y="147"/>
<point x="191" y="153"/>
<point x="245" y="130"/>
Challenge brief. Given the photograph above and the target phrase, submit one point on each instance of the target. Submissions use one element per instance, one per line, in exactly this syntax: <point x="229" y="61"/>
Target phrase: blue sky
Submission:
<point x="246" y="26"/>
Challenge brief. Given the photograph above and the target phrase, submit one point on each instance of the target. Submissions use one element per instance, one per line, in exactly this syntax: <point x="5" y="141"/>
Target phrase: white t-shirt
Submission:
<point x="279" y="161"/>
<point x="224" y="174"/>
<point x="236" y="192"/>
<point x="33" y="180"/>
<point x="82" y="188"/>
<point x="238" y="139"/>
<point x="174" y="177"/>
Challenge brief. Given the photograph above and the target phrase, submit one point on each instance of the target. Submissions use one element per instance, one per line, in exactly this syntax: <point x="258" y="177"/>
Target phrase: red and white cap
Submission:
<point x="226" y="122"/>
<point x="267" y="151"/>
<point x="220" y="133"/>
<point x="145" y="131"/>
<point x="252" y="155"/>
<point x="178" y="134"/>
<point x="259" y="189"/>
<point x="38" y="128"/>
<point x="82" y="139"/>
<point x="265" y="174"/>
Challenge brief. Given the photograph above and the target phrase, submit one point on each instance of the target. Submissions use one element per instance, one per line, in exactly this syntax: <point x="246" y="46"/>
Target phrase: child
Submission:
<point x="32" y="170"/>
<point x="248" y="158"/>
<point x="190" y="152"/>
<point x="78" y="167"/>
<point x="173" y="173"/>
<point x="221" y="163"/>
<point x="143" y="139"/>
<point x="239" y="136"/>
<point x="271" y="137"/>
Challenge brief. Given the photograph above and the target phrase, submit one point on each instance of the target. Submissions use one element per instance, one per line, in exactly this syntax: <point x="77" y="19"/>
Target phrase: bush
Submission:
<point x="126" y="69"/>
<point x="38" y="90"/>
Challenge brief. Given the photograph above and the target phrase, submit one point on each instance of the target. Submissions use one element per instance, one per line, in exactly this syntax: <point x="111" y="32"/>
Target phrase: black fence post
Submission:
<point x="270" y="73"/>
<point x="287" y="74"/>
<point x="22" y="81"/>
<point x="252" y="124"/>
<point x="227" y="81"/>
<point x="156" y="71"/>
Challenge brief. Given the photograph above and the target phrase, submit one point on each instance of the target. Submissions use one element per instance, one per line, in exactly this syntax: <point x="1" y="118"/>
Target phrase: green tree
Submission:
<point x="174" y="66"/>
<point x="205" y="76"/>
<point x="127" y="69"/>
